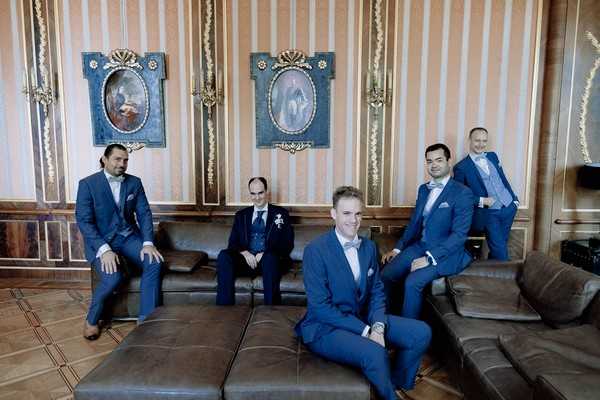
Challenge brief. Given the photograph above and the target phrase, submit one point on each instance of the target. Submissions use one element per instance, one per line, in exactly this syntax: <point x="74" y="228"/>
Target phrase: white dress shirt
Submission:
<point x="264" y="216"/>
<point x="115" y="188"/>
<point x="352" y="257"/>
<point x="435" y="193"/>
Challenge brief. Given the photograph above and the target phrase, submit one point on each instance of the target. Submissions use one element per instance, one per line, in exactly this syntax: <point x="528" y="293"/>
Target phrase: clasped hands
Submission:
<point x="251" y="259"/>
<point x="377" y="337"/>
<point x="109" y="259"/>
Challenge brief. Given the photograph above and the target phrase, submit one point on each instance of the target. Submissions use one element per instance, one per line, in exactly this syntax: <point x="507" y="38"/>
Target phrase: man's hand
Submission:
<point x="488" y="201"/>
<point x="259" y="257"/>
<point x="419" y="263"/>
<point x="109" y="261"/>
<point x="389" y="256"/>
<point x="377" y="338"/>
<point x="152" y="253"/>
<point x="250" y="259"/>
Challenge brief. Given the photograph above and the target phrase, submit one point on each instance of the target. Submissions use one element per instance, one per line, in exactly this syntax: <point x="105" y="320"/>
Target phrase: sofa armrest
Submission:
<point x="566" y="387"/>
<point x="494" y="269"/>
<point x="182" y="260"/>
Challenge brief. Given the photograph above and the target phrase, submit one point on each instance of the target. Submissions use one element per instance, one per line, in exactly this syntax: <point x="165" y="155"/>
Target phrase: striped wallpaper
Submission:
<point x="17" y="179"/>
<point x="140" y="25"/>
<point x="306" y="178"/>
<point x="460" y="64"/>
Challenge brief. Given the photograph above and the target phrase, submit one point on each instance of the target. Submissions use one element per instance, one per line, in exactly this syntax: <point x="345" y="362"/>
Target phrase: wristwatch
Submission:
<point x="378" y="327"/>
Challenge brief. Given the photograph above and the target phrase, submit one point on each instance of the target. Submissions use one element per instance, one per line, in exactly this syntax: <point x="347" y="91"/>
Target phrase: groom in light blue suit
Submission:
<point x="108" y="204"/>
<point x="346" y="319"/>
<point x="433" y="243"/>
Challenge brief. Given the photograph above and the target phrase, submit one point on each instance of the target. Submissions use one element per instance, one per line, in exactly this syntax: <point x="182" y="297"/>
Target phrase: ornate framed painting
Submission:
<point x="126" y="98"/>
<point x="292" y="99"/>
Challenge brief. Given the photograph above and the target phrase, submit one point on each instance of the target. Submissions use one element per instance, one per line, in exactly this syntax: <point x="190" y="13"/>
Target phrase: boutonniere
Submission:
<point x="278" y="221"/>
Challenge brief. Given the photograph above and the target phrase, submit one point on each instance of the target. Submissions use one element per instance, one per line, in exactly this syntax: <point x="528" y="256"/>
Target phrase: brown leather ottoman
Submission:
<point x="272" y="364"/>
<point x="178" y="352"/>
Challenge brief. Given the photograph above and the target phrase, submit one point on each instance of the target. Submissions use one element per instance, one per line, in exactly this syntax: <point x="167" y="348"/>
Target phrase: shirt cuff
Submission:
<point x="516" y="203"/>
<point x="147" y="244"/>
<point x="481" y="202"/>
<point x="431" y="259"/>
<point x="103" y="249"/>
<point x="366" y="331"/>
<point x="396" y="251"/>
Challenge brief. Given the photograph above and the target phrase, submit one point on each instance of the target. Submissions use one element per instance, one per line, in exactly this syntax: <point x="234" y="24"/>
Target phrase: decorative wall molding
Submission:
<point x="586" y="97"/>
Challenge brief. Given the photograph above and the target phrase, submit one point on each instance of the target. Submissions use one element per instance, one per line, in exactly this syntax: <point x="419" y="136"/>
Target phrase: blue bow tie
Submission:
<point x="480" y="157"/>
<point x="352" y="243"/>
<point x="432" y="185"/>
<point x="118" y="179"/>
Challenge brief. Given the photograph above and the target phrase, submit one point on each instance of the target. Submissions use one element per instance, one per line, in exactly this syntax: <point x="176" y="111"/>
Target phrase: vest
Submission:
<point x="495" y="187"/>
<point x="257" y="235"/>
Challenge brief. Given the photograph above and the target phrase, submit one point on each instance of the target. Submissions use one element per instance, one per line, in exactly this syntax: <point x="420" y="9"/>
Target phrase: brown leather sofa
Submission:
<point x="520" y="330"/>
<point x="189" y="272"/>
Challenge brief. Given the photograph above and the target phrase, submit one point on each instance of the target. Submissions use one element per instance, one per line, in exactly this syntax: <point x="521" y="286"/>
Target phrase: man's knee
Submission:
<point x="224" y="259"/>
<point x="414" y="284"/>
<point x="111" y="281"/>
<point x="422" y="334"/>
<point x="270" y="263"/>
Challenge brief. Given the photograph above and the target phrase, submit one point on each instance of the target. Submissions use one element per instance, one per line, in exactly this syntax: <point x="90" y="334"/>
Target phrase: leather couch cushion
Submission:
<point x="202" y="279"/>
<point x="178" y="352"/>
<point x="567" y="387"/>
<point x="304" y="234"/>
<point x="492" y="298"/>
<point x="292" y="281"/>
<point x="593" y="312"/>
<point x="208" y="237"/>
<point x="272" y="364"/>
<point x="558" y="292"/>
<point x="183" y="260"/>
<point x="571" y="351"/>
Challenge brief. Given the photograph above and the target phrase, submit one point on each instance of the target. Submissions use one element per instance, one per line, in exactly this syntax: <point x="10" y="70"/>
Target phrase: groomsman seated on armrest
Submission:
<point x="433" y="243"/>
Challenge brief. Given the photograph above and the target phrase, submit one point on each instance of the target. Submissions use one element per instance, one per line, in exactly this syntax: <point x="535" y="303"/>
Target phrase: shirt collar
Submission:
<point x="265" y="208"/>
<point x="444" y="181"/>
<point x="108" y="176"/>
<point x="474" y="156"/>
<point x="342" y="239"/>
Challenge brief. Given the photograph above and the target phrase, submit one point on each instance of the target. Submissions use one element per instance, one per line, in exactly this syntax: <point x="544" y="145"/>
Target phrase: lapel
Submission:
<point x="123" y="195"/>
<point x="339" y="254"/>
<point x="363" y="261"/>
<point x="270" y="219"/>
<point x="442" y="197"/>
<point x="477" y="173"/>
<point x="105" y="188"/>
<point x="248" y="223"/>
<point x="421" y="204"/>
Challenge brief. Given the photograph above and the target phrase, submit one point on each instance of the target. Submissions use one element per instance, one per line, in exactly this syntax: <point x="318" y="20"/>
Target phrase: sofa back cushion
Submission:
<point x="304" y="234"/>
<point x="558" y="292"/>
<point x="593" y="312"/>
<point x="209" y="237"/>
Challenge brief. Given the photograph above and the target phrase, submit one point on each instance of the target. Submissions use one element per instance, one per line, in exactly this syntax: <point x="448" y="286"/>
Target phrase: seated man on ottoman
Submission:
<point x="346" y="320"/>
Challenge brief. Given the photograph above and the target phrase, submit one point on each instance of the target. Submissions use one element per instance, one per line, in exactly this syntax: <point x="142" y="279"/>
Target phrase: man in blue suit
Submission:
<point x="108" y="204"/>
<point x="433" y="243"/>
<point x="495" y="202"/>
<point x="346" y="320"/>
<point x="260" y="243"/>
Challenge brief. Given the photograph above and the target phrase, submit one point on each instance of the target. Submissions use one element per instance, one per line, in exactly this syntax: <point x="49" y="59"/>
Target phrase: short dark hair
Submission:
<point x="347" y="192"/>
<point x="109" y="149"/>
<point x="259" y="178"/>
<point x="438" y="146"/>
<point x="477" y="128"/>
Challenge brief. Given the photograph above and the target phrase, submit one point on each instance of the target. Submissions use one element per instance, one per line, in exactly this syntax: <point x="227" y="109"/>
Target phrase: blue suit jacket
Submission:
<point x="334" y="299"/>
<point x="98" y="216"/>
<point x="279" y="239"/>
<point x="466" y="172"/>
<point x="446" y="229"/>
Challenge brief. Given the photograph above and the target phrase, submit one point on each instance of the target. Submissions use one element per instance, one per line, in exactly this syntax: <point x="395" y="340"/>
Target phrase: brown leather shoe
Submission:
<point x="90" y="332"/>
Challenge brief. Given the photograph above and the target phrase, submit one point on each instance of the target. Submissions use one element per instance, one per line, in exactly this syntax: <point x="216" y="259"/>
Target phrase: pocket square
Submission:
<point x="444" y="205"/>
<point x="130" y="197"/>
<point x="370" y="272"/>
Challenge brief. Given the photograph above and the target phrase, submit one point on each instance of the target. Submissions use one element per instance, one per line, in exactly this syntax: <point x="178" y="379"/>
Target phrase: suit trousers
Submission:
<point x="497" y="231"/>
<point x="129" y="247"/>
<point x="398" y="270"/>
<point x="231" y="264"/>
<point x="410" y="337"/>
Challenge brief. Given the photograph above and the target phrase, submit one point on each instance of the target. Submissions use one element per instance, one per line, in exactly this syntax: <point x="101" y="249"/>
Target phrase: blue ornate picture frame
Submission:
<point x="292" y="97"/>
<point x="126" y="98"/>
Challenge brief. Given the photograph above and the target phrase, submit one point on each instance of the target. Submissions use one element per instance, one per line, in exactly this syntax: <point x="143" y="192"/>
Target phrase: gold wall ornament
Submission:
<point x="132" y="146"/>
<point x="585" y="99"/>
<point x="293" y="147"/>
<point x="322" y="64"/>
<point x="43" y="95"/>
<point x="93" y="64"/>
<point x="291" y="58"/>
<point x="261" y="64"/>
<point x="122" y="58"/>
<point x="152" y="64"/>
